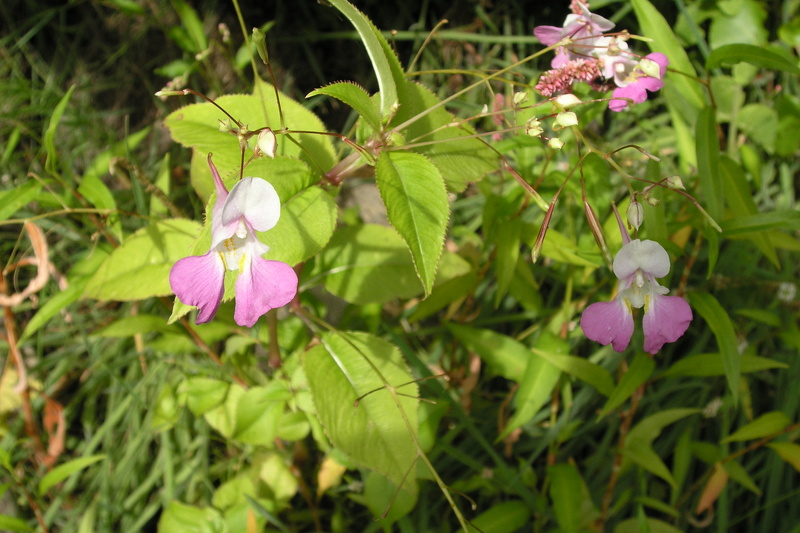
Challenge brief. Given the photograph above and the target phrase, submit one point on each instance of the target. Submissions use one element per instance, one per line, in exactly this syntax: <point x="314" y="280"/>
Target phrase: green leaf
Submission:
<point x="634" y="525"/>
<point x="561" y="248"/>
<point x="708" y="163"/>
<point x="741" y="225"/>
<point x="48" y="139"/>
<point x="712" y="364"/>
<point x="537" y="383"/>
<point x="737" y="472"/>
<point x="416" y="203"/>
<point x="586" y="371"/>
<point x="197" y="126"/>
<point x="192" y="24"/>
<point x="17" y="198"/>
<point x="739" y="21"/>
<point x="62" y="472"/>
<point x="654" y="25"/>
<point x="566" y="487"/>
<point x="9" y="523"/>
<point x="763" y="426"/>
<point x="359" y="259"/>
<point x="716" y="317"/>
<point x="650" y="428"/>
<point x="748" y="53"/>
<point x="789" y="452"/>
<point x="356" y="97"/>
<point x="446" y="141"/>
<point x="503" y="517"/>
<point x="760" y="123"/>
<point x="140" y="267"/>
<point x="740" y="199"/>
<point x="455" y="279"/>
<point x="640" y="370"/>
<point x="378" y="490"/>
<point x="383" y="59"/>
<point x="506" y="255"/>
<point x="504" y="355"/>
<point x="131" y="325"/>
<point x="258" y="413"/>
<point x="203" y="394"/>
<point x="643" y="455"/>
<point x="181" y="518"/>
<point x="373" y="432"/>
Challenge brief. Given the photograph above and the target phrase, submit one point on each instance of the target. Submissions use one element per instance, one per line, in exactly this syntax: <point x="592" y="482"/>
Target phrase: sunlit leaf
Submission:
<point x="763" y="426"/>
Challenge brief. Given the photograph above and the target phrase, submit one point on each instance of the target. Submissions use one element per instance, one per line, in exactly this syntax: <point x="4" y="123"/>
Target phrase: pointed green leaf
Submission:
<point x="384" y="62"/>
<point x="566" y="488"/>
<point x="730" y="54"/>
<point x="140" y="267"/>
<point x="62" y="472"/>
<point x="711" y="364"/>
<point x="655" y="26"/>
<point x="504" y="355"/>
<point x="258" y="414"/>
<point x="737" y="472"/>
<point x="535" y="388"/>
<point x="642" y="454"/>
<point x="356" y="97"/>
<point x="9" y="523"/>
<point x="789" y="452"/>
<point x="416" y="203"/>
<point x="359" y="259"/>
<point x="763" y="426"/>
<point x="506" y="255"/>
<point x="503" y="517"/>
<point x="17" y="198"/>
<point x="640" y="370"/>
<point x="48" y="140"/>
<point x="374" y="432"/>
<point x="708" y="163"/>
<point x="586" y="371"/>
<point x="717" y="318"/>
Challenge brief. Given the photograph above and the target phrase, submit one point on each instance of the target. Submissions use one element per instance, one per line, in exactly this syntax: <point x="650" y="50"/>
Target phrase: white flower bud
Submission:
<point x="555" y="143"/>
<point x="533" y="127"/>
<point x="675" y="182"/>
<point x="266" y="143"/>
<point x="567" y="100"/>
<point x="520" y="97"/>
<point x="566" y="119"/>
<point x="635" y="214"/>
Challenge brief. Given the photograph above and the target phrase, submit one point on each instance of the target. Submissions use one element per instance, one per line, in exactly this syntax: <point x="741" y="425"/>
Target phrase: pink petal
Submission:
<point x="608" y="322"/>
<point x="548" y="35"/>
<point x="661" y="60"/>
<point x="254" y="199"/>
<point x="262" y="285"/>
<point x="199" y="281"/>
<point x="666" y="318"/>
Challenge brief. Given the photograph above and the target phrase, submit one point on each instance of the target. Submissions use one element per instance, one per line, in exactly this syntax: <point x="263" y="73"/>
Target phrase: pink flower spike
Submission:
<point x="263" y="285"/>
<point x="666" y="319"/>
<point x="608" y="323"/>
<point x="199" y="281"/>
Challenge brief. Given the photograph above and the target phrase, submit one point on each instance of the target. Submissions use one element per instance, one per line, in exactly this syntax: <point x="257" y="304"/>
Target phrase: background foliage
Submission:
<point x="427" y="349"/>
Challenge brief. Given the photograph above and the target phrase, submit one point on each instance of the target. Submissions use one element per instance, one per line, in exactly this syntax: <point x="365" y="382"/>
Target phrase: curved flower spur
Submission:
<point x="252" y="205"/>
<point x="666" y="318"/>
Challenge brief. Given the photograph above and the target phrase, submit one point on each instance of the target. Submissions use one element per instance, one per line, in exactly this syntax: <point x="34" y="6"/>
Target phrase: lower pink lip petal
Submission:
<point x="199" y="281"/>
<point x="262" y="286"/>
<point x="608" y="323"/>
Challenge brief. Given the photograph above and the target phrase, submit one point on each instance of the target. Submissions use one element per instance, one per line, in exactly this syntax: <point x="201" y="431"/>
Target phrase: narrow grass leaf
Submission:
<point x="708" y="163"/>
<point x="788" y="451"/>
<point x="504" y="355"/>
<point x="17" y="198"/>
<point x="51" y="163"/>
<point x="417" y="206"/>
<point x="730" y="54"/>
<point x="566" y="487"/>
<point x="640" y="370"/>
<point x="62" y="472"/>
<point x="763" y="426"/>
<point x="717" y="318"/>
<point x="586" y="371"/>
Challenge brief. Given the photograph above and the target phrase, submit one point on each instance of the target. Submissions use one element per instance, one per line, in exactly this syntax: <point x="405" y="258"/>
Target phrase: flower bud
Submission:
<point x="567" y="100"/>
<point x="635" y="214"/>
<point x="555" y="143"/>
<point x="675" y="182"/>
<point x="520" y="97"/>
<point x="260" y="40"/>
<point x="266" y="143"/>
<point x="226" y="126"/>
<point x="533" y="127"/>
<point x="566" y="119"/>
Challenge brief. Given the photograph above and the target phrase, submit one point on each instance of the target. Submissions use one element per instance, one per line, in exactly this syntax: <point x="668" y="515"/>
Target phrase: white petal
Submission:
<point x="255" y="200"/>
<point x="649" y="256"/>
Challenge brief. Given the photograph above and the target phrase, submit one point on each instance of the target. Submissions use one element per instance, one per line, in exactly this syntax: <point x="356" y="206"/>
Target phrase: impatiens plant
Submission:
<point x="401" y="303"/>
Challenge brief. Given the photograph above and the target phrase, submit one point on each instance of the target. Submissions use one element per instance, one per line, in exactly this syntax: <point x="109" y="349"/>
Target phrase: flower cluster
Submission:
<point x="252" y="205"/>
<point x="588" y="55"/>
<point x="666" y="318"/>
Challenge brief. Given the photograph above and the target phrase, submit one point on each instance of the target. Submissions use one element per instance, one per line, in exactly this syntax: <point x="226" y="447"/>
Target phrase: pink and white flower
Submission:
<point x="633" y="82"/>
<point x="666" y="318"/>
<point x="252" y="205"/>
<point x="585" y="31"/>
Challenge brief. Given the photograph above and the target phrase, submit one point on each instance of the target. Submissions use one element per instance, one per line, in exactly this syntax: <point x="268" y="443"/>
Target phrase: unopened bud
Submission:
<point x="533" y="127"/>
<point x="597" y="232"/>
<point x="635" y="215"/>
<point x="226" y="126"/>
<point x="260" y="40"/>
<point x="675" y="182"/>
<point x="653" y="201"/>
<point x="484" y="109"/>
<point x="520" y="97"/>
<point x="537" y="247"/>
<point x="566" y="119"/>
<point x="565" y="101"/>
<point x="555" y="143"/>
<point x="650" y="68"/>
<point x="224" y="32"/>
<point x="266" y="143"/>
<point x="163" y="93"/>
